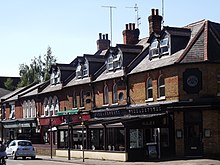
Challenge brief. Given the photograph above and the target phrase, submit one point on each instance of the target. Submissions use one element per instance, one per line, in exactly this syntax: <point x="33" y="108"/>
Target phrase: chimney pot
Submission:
<point x="157" y="12"/>
<point x="152" y="11"/>
<point x="100" y="36"/>
<point x="106" y="36"/>
<point x="126" y="26"/>
<point x="103" y="36"/>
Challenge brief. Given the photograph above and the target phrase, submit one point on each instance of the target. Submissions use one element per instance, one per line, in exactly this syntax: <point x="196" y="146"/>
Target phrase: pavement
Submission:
<point x="107" y="162"/>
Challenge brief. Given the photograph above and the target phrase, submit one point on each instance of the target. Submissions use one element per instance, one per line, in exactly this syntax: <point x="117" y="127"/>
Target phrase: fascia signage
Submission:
<point x="192" y="80"/>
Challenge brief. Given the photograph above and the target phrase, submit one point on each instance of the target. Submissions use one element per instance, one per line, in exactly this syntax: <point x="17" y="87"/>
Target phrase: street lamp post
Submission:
<point x="82" y="123"/>
<point x="68" y="121"/>
<point x="51" y="139"/>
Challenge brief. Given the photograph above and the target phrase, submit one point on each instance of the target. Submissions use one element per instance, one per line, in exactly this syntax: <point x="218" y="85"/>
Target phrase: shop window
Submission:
<point x="97" y="139"/>
<point x="161" y="87"/>
<point x="105" y="95"/>
<point x="115" y="93"/>
<point x="115" y="139"/>
<point x="149" y="90"/>
<point x="136" y="138"/>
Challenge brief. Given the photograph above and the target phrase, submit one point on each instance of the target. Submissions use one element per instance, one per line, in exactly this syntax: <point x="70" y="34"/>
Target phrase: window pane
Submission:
<point x="136" y="138"/>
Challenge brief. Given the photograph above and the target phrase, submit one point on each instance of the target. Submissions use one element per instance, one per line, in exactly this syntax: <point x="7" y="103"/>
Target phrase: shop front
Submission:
<point x="138" y="137"/>
<point x="20" y="129"/>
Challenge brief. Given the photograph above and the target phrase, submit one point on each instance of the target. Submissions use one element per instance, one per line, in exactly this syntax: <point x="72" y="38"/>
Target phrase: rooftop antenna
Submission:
<point x="110" y="10"/>
<point x="162" y="12"/>
<point x="137" y="18"/>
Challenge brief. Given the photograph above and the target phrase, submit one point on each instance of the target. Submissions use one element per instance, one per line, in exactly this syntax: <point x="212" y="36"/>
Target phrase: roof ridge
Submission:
<point x="196" y="23"/>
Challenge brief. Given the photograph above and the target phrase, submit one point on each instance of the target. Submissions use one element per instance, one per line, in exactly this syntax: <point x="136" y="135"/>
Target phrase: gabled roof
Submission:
<point x="203" y="45"/>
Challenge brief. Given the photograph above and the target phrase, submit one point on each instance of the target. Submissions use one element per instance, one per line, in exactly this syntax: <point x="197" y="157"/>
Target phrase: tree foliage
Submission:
<point x="9" y="84"/>
<point x="38" y="70"/>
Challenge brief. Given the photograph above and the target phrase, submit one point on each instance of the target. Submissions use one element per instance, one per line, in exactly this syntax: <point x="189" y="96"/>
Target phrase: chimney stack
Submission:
<point x="155" y="21"/>
<point x="130" y="34"/>
<point x="103" y="42"/>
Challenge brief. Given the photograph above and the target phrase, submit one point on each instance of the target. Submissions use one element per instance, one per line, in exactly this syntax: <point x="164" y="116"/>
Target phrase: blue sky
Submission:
<point x="71" y="27"/>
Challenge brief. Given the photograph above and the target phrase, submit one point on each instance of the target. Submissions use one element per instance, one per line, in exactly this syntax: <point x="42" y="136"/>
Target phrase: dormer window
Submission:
<point x="164" y="43"/>
<point x="79" y="71"/>
<point x="154" y="49"/>
<point x="85" y="70"/>
<point x="55" y="76"/>
<point x="114" y="62"/>
<point x="82" y="70"/>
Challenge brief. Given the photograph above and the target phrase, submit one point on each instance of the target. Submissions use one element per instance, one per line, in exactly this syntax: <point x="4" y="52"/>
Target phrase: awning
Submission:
<point x="19" y="123"/>
<point x="68" y="112"/>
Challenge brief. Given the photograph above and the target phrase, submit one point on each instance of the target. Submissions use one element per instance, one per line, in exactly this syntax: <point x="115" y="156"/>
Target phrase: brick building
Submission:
<point x="147" y="98"/>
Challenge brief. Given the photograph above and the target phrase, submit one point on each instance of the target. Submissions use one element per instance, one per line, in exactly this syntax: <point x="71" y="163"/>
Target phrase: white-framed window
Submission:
<point x="117" y="61"/>
<point x="82" y="98"/>
<point x="51" y="106"/>
<point x="105" y="95"/>
<point x="85" y="69"/>
<point x="33" y="109"/>
<point x="12" y="110"/>
<point x="114" y="62"/>
<point x="110" y="63"/>
<point x="154" y="48"/>
<point x="74" y="100"/>
<point x="115" y="93"/>
<point x="24" y="106"/>
<point x="149" y="89"/>
<point x="164" y="46"/>
<point x="218" y="84"/>
<point x="161" y="87"/>
<point x="46" y="107"/>
<point x="55" y="76"/>
<point x="29" y="109"/>
<point x="79" y="71"/>
<point x="56" y="105"/>
<point x="4" y="112"/>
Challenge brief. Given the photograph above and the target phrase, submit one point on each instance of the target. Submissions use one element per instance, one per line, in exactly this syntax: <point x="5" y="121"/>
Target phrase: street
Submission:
<point x="35" y="162"/>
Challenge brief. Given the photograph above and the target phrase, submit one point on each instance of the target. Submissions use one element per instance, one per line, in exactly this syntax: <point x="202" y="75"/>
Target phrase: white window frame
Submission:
<point x="12" y="110"/>
<point x="115" y="93"/>
<point x="154" y="49"/>
<point x="105" y="95"/>
<point x="110" y="63"/>
<point x="33" y="109"/>
<point x="79" y="71"/>
<point x="149" y="87"/>
<point x="164" y="43"/>
<point x="24" y="106"/>
<point x="56" y="105"/>
<point x="46" y="107"/>
<point x="161" y="87"/>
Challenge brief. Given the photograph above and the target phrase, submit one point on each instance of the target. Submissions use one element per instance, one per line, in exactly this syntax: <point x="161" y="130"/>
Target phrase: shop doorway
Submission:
<point x="193" y="134"/>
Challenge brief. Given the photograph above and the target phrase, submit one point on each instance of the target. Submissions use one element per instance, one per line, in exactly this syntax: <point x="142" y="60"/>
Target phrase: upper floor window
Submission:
<point x="115" y="93"/>
<point x="82" y="70"/>
<point x="29" y="109"/>
<point x="82" y="98"/>
<point x="55" y="76"/>
<point x="154" y="48"/>
<point x="159" y="47"/>
<point x="105" y="95"/>
<point x="12" y="111"/>
<point x="114" y="62"/>
<point x="161" y="87"/>
<point x="149" y="89"/>
<point x="164" y="46"/>
<point x="51" y="106"/>
<point x="74" y="100"/>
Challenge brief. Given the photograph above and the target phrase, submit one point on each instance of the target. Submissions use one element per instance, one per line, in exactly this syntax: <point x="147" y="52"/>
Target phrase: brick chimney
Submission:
<point x="130" y="34"/>
<point x="103" y="42"/>
<point x="155" y="21"/>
